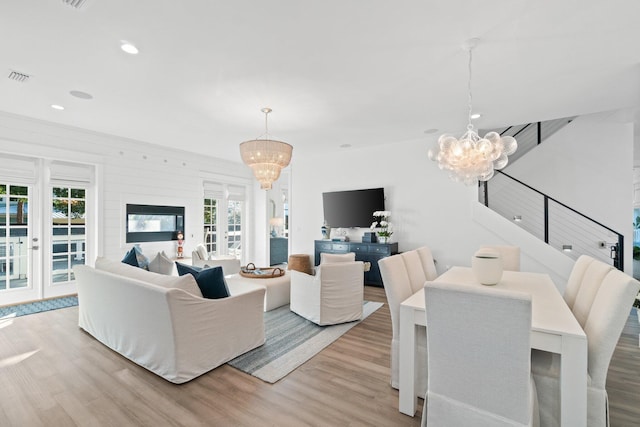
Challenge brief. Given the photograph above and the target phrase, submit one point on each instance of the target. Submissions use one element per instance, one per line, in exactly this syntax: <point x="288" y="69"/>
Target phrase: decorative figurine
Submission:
<point x="180" y="244"/>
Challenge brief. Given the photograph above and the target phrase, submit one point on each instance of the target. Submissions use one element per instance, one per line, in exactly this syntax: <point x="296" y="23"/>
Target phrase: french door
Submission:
<point x="20" y="265"/>
<point x="223" y="219"/>
<point x="45" y="207"/>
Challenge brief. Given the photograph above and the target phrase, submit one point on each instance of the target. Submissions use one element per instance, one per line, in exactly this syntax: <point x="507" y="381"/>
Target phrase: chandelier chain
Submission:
<point x="472" y="158"/>
<point x="470" y="124"/>
<point x="266" y="112"/>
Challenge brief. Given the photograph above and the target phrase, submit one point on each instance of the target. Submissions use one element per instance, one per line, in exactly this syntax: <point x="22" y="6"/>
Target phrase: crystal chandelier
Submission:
<point x="471" y="158"/>
<point x="266" y="157"/>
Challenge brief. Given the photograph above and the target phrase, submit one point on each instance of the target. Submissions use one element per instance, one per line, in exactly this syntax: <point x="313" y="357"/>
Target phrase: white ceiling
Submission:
<point x="359" y="72"/>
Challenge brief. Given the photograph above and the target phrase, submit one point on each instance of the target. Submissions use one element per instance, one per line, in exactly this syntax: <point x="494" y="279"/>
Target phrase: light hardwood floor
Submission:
<point x="54" y="374"/>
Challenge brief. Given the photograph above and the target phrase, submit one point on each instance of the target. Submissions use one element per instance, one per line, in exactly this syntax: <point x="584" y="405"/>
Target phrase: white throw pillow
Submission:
<point x="162" y="264"/>
<point x="326" y="258"/>
<point x="186" y="283"/>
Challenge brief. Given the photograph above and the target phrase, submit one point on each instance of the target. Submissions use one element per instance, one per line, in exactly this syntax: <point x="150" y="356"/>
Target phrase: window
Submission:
<point x="223" y="234"/>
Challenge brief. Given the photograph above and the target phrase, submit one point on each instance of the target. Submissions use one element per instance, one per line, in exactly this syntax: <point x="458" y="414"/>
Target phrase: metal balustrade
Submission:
<point x="557" y="224"/>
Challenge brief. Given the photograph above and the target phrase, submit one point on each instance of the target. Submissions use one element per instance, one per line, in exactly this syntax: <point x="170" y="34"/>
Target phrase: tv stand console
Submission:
<point x="367" y="252"/>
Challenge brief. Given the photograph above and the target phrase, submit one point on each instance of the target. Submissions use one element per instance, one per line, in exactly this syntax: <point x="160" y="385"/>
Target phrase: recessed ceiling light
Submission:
<point x="129" y="48"/>
<point x="57" y="107"/>
<point x="430" y="131"/>
<point x="345" y="146"/>
<point x="476" y="116"/>
<point x="80" y="94"/>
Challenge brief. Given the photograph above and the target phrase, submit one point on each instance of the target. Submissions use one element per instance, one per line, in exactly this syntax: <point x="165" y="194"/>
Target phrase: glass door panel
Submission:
<point x="234" y="227"/>
<point x="68" y="224"/>
<point x="16" y="264"/>
<point x="211" y="225"/>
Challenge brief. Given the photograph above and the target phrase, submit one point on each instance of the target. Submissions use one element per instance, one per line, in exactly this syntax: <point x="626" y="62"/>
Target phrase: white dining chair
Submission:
<point x="591" y="282"/>
<point x="607" y="317"/>
<point x="403" y="275"/>
<point x="479" y="357"/>
<point x="510" y="256"/>
<point x="575" y="279"/>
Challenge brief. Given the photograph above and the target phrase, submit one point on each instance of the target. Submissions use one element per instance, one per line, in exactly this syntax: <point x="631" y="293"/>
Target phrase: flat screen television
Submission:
<point x="353" y="208"/>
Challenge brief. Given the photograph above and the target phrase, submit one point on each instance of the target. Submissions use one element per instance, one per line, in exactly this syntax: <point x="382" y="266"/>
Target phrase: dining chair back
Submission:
<point x="428" y="263"/>
<point x="510" y="256"/>
<point x="589" y="286"/>
<point x="575" y="279"/>
<point x="403" y="275"/>
<point x="603" y="327"/>
<point x="479" y="357"/>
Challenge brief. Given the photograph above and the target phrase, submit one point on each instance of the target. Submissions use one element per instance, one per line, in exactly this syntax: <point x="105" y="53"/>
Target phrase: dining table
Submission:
<point x="553" y="328"/>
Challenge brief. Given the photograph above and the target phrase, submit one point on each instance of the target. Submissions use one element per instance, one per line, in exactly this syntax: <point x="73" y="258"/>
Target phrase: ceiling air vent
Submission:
<point x="76" y="4"/>
<point x="19" y="77"/>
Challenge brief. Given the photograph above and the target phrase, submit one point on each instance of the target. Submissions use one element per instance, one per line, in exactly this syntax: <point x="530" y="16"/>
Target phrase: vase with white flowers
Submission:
<point x="382" y="226"/>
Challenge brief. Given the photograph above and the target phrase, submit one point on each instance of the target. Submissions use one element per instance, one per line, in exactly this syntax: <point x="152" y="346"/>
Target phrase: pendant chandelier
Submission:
<point x="266" y="157"/>
<point x="471" y="158"/>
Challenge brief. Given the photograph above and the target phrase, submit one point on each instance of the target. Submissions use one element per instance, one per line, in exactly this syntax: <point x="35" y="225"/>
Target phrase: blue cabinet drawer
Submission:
<point x="340" y="247"/>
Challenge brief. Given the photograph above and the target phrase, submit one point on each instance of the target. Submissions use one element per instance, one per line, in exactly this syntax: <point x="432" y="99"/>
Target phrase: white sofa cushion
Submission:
<point x="162" y="264"/>
<point x="186" y="283"/>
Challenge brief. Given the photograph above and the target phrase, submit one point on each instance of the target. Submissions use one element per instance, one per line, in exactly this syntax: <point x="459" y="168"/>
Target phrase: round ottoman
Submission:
<point x="300" y="262"/>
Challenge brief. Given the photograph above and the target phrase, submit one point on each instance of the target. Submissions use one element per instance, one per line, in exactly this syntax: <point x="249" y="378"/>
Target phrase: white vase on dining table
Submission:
<point x="487" y="267"/>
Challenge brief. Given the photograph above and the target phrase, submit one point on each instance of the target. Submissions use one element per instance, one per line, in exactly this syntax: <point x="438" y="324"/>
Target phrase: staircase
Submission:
<point x="544" y="217"/>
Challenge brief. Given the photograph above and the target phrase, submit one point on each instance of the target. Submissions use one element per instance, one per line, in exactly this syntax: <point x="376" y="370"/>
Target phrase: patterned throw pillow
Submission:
<point x="143" y="261"/>
<point x="210" y="280"/>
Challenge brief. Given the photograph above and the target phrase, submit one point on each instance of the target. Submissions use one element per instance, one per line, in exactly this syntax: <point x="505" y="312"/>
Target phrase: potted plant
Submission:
<point x="636" y="305"/>
<point x="382" y="226"/>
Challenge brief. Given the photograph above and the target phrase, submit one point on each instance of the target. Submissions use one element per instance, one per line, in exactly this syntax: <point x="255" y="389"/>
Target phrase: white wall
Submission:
<point x="131" y="172"/>
<point x="588" y="165"/>
<point x="429" y="209"/>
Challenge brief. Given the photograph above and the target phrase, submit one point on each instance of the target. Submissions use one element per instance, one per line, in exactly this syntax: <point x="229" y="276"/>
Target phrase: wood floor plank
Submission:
<point x="53" y="373"/>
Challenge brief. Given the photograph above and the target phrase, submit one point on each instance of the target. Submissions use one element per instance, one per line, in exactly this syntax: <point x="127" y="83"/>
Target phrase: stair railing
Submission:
<point x="561" y="226"/>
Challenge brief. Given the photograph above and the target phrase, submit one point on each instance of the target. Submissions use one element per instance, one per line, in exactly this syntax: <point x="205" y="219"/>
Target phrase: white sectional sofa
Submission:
<point x="162" y="324"/>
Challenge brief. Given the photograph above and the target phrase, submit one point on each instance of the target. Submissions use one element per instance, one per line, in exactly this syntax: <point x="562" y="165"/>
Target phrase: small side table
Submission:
<point x="300" y="262"/>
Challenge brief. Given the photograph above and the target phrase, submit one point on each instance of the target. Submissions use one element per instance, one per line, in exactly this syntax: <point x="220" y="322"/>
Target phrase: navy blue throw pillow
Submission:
<point x="210" y="280"/>
<point x="187" y="269"/>
<point x="131" y="258"/>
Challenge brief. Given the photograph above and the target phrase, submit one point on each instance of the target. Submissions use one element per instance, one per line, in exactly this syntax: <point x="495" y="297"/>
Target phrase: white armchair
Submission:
<point x="201" y="258"/>
<point x="334" y="295"/>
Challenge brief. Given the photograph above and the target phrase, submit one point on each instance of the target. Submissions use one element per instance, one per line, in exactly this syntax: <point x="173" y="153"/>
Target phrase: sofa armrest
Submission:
<point x="305" y="294"/>
<point x="210" y="332"/>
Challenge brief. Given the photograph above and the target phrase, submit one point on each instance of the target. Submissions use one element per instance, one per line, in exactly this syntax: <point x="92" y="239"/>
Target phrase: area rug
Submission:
<point x="291" y="340"/>
<point x="37" y="307"/>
